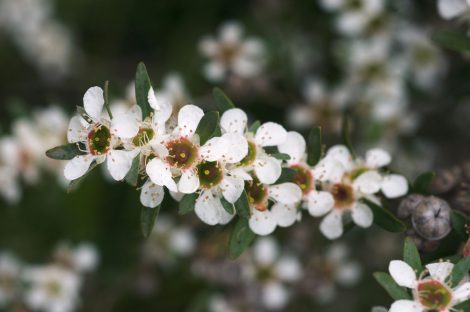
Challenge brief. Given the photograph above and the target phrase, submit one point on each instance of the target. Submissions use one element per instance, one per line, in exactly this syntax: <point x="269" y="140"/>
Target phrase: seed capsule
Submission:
<point x="421" y="243"/>
<point x="446" y="180"/>
<point x="431" y="218"/>
<point x="408" y="205"/>
<point x="461" y="199"/>
<point x="466" y="171"/>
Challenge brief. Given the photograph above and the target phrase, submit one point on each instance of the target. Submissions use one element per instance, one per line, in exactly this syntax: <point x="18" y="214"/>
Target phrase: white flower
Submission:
<point x="10" y="270"/>
<point x="51" y="288"/>
<point x="430" y="291"/>
<point x="9" y="170"/>
<point x="174" y="91"/>
<point x="449" y="9"/>
<point x="100" y="137"/>
<point x="83" y="258"/>
<point x="231" y="54"/>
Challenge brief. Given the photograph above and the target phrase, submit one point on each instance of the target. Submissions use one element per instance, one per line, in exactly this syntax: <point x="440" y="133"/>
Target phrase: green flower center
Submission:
<point x="99" y="140"/>
<point x="354" y="4"/>
<point x="354" y="174"/>
<point x="143" y="137"/>
<point x="210" y="174"/>
<point x="303" y="178"/>
<point x="181" y="153"/>
<point x="257" y="194"/>
<point x="343" y="195"/>
<point x="251" y="156"/>
<point x="432" y="294"/>
<point x="53" y="288"/>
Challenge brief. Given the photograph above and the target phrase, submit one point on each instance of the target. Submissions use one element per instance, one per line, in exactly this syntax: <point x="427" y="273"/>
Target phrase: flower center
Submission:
<point x="432" y="294"/>
<point x="143" y="137"/>
<point x="251" y="156"/>
<point x="303" y="178"/>
<point x="228" y="52"/>
<point x="181" y="153"/>
<point x="257" y="194"/>
<point x="53" y="288"/>
<point x="99" y="140"/>
<point x="343" y="195"/>
<point x="210" y="174"/>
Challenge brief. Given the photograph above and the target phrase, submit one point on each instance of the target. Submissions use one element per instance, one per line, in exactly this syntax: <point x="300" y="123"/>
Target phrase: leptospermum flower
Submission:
<point x="431" y="291"/>
<point x="100" y="137"/>
<point x="449" y="9"/>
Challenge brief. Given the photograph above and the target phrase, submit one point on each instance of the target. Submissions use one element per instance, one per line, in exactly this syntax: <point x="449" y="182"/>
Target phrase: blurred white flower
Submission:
<point x="10" y="270"/>
<point x="449" y="9"/>
<point x="83" y="258"/>
<point x="9" y="170"/>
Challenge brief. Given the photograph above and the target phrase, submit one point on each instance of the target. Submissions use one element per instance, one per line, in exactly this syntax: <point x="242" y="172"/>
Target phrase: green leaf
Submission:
<point x="384" y="218"/>
<point x="422" y="183"/>
<point x="460" y="270"/>
<point x="242" y="206"/>
<point x="254" y="126"/>
<point x="142" y="87"/>
<point x="411" y="255"/>
<point x="187" y="203"/>
<point x="106" y="99"/>
<point x="280" y="156"/>
<point x="67" y="151"/>
<point x="452" y="40"/>
<point x="463" y="306"/>
<point x="314" y="146"/>
<point x="227" y="206"/>
<point x="240" y="238"/>
<point x="459" y="222"/>
<point x="208" y="126"/>
<point x="132" y="177"/>
<point x="287" y="175"/>
<point x="148" y="216"/>
<point x="391" y="287"/>
<point x="73" y="185"/>
<point x="346" y="134"/>
<point x="222" y="101"/>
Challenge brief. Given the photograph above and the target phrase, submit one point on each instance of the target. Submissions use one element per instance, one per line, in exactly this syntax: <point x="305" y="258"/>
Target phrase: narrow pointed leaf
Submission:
<point x="422" y="183"/>
<point x="66" y="151"/>
<point x="459" y="224"/>
<point x="148" y="216"/>
<point x="463" y="306"/>
<point x="187" y="203"/>
<point x="227" y="206"/>
<point x="242" y="206"/>
<point x="281" y="156"/>
<point x="106" y="99"/>
<point x="391" y="287"/>
<point x="460" y="270"/>
<point x="452" y="40"/>
<point x="240" y="238"/>
<point x="314" y="146"/>
<point x="254" y="126"/>
<point x="208" y="126"/>
<point x="411" y="255"/>
<point x="132" y="177"/>
<point x="142" y="87"/>
<point x="287" y="175"/>
<point x="384" y="218"/>
<point x="346" y="134"/>
<point x="222" y="101"/>
<point x="74" y="184"/>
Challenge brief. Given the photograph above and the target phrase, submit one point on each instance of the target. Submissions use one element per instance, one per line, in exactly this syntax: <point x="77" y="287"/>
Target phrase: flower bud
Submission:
<point x="446" y="180"/>
<point x="431" y="218"/>
<point x="408" y="205"/>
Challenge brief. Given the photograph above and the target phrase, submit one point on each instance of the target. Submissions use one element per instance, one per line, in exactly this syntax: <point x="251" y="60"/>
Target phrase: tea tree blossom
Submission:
<point x="449" y="9"/>
<point x="10" y="270"/>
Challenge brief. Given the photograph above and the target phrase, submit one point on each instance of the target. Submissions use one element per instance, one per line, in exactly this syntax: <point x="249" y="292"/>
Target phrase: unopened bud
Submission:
<point x="431" y="218"/>
<point x="408" y="205"/>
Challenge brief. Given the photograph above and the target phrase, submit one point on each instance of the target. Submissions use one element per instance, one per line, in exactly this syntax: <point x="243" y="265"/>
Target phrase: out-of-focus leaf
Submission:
<point x="452" y="40"/>
<point x="142" y="87"/>
<point x="460" y="270"/>
<point x="280" y="156"/>
<point x="132" y="177"/>
<point x="391" y="287"/>
<point x="314" y="146"/>
<point x="208" y="126"/>
<point x="346" y="134"/>
<point x="187" y="203"/>
<point x="227" y="206"/>
<point x="384" y="218"/>
<point x="422" y="183"/>
<point x="148" y="216"/>
<point x="463" y="306"/>
<point x="66" y="151"/>
<point x="222" y="100"/>
<point x="254" y="126"/>
<point x="241" y="238"/>
<point x="411" y="255"/>
<point x="287" y="175"/>
<point x="106" y="99"/>
<point x="73" y="185"/>
<point x="459" y="222"/>
<point x="242" y="206"/>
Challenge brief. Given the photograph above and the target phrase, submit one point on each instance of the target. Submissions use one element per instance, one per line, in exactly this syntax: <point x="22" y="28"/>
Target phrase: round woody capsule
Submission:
<point x="461" y="199"/>
<point x="408" y="205"/>
<point x="421" y="243"/>
<point x="466" y="171"/>
<point x="431" y="218"/>
<point x="446" y="180"/>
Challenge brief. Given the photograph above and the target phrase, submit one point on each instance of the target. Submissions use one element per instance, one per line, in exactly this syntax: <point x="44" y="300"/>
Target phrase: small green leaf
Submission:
<point x="314" y="146"/>
<point x="132" y="177"/>
<point x="73" y="185"/>
<point x="346" y="135"/>
<point x="240" y="238"/>
<point x="227" y="206"/>
<point x="281" y="156"/>
<point x="208" y="126"/>
<point x="222" y="101"/>
<point x="66" y="152"/>
<point x="459" y="222"/>
<point x="452" y="40"/>
<point x="148" y="216"/>
<point x="254" y="126"/>
<point x="142" y="87"/>
<point x="463" y="306"/>
<point x="187" y="203"/>
<point x="287" y="175"/>
<point x="460" y="270"/>
<point x="106" y="99"/>
<point x="411" y="255"/>
<point x="391" y="287"/>
<point x="422" y="183"/>
<point x="242" y="206"/>
<point x="384" y="218"/>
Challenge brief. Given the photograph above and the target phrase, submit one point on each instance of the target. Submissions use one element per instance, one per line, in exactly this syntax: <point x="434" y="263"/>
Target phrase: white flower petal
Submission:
<point x="152" y="99"/>
<point x="77" y="167"/>
<point x="189" y="182"/>
<point x="119" y="163"/>
<point x="406" y="306"/>
<point x="240" y="173"/>
<point x="274" y="295"/>
<point x="234" y="120"/>
<point x="232" y="188"/>
<point x="151" y="195"/>
<point x="188" y="119"/>
<point x="294" y="146"/>
<point x="440" y="271"/>
<point x="320" y="203"/>
<point x="236" y="147"/>
<point x="262" y="222"/>
<point x="285" y="193"/>
<point x="215" y="71"/>
<point x="452" y="8"/>
<point x="209" y="209"/>
<point x="265" y="251"/>
<point x="329" y="170"/>
<point x="285" y="215"/>
<point x="362" y="215"/>
<point x="76" y="132"/>
<point x="160" y="174"/>
<point x="402" y="273"/>
<point x="332" y="225"/>
<point x="270" y="134"/>
<point x="93" y="102"/>
<point x="268" y="169"/>
<point x="377" y="158"/>
<point x="394" y="185"/>
<point x="368" y="183"/>
<point x="213" y="149"/>
<point x="288" y="269"/>
<point x="340" y="153"/>
<point x="125" y="126"/>
<point x="462" y="293"/>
